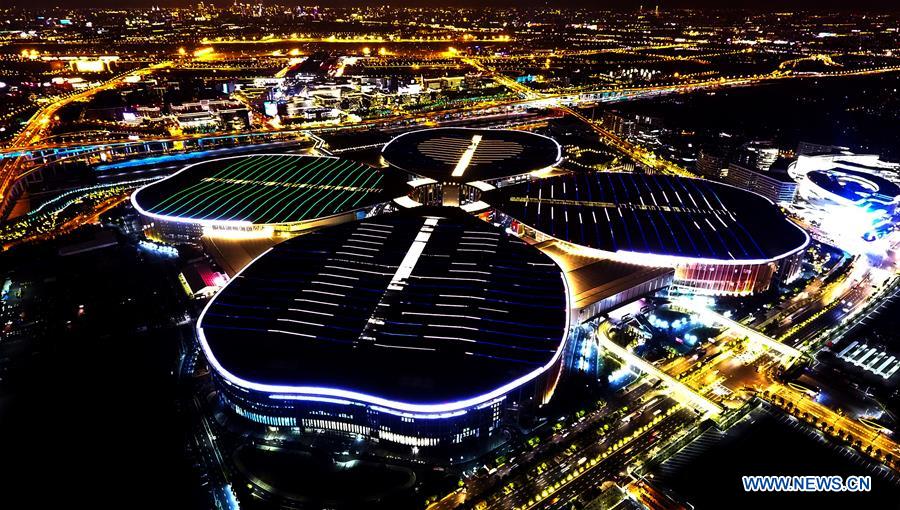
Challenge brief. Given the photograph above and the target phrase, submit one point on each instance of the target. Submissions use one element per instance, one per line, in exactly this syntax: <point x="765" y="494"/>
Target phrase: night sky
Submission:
<point x="773" y="5"/>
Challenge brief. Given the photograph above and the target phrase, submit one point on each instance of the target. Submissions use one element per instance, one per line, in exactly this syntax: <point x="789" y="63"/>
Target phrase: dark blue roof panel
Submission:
<point x="652" y="214"/>
<point x="423" y="306"/>
<point x="854" y="185"/>
<point x="466" y="155"/>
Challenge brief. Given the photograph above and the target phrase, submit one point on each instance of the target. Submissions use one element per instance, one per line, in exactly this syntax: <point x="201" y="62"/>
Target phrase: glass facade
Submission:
<point x="463" y="429"/>
<point x="726" y="279"/>
<point x="700" y="278"/>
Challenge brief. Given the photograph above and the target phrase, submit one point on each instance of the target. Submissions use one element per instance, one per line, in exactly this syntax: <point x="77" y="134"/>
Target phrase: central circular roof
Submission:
<point x="424" y="309"/>
<point x="466" y="155"/>
<point x="263" y="189"/>
<point x="854" y="186"/>
<point x="654" y="219"/>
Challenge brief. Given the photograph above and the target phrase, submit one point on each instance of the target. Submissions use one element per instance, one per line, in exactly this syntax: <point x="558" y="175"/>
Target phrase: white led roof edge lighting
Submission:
<point x="285" y="391"/>
<point x="661" y="260"/>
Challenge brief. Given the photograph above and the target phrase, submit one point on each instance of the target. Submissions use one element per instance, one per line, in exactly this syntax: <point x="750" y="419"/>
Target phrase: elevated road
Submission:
<point x="635" y="152"/>
<point x="787" y="352"/>
<point x="681" y="392"/>
<point x="869" y="440"/>
<point x="35" y="130"/>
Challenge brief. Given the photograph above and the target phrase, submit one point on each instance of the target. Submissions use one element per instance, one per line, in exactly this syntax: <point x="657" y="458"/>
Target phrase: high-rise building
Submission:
<point x="776" y="186"/>
<point x="759" y="155"/>
<point x="711" y="163"/>
<point x="810" y="148"/>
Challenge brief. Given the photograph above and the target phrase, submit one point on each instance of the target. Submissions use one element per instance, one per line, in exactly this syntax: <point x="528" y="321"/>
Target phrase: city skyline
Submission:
<point x="629" y="5"/>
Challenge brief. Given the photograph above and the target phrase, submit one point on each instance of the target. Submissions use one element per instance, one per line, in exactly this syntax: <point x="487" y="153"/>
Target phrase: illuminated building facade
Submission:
<point x="452" y="166"/>
<point x="261" y="195"/>
<point x="422" y="328"/>
<point x="776" y="186"/>
<point x="719" y="239"/>
<point x="736" y="279"/>
<point x="850" y="197"/>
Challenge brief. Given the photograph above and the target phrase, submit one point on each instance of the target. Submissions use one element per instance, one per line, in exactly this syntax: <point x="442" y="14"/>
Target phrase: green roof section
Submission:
<point x="263" y="189"/>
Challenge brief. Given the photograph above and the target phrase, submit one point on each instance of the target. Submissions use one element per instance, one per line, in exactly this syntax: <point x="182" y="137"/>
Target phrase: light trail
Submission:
<point x="789" y="353"/>
<point x="35" y="129"/>
<point x="31" y="135"/>
<point x="681" y="392"/>
<point x="863" y="437"/>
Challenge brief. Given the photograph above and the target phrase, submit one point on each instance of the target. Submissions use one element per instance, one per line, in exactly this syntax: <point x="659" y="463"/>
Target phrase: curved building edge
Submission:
<point x="176" y="229"/>
<point x="715" y="277"/>
<point x="356" y="414"/>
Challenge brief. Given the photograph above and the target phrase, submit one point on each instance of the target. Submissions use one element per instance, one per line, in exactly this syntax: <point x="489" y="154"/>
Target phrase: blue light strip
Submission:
<point x="416" y="410"/>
